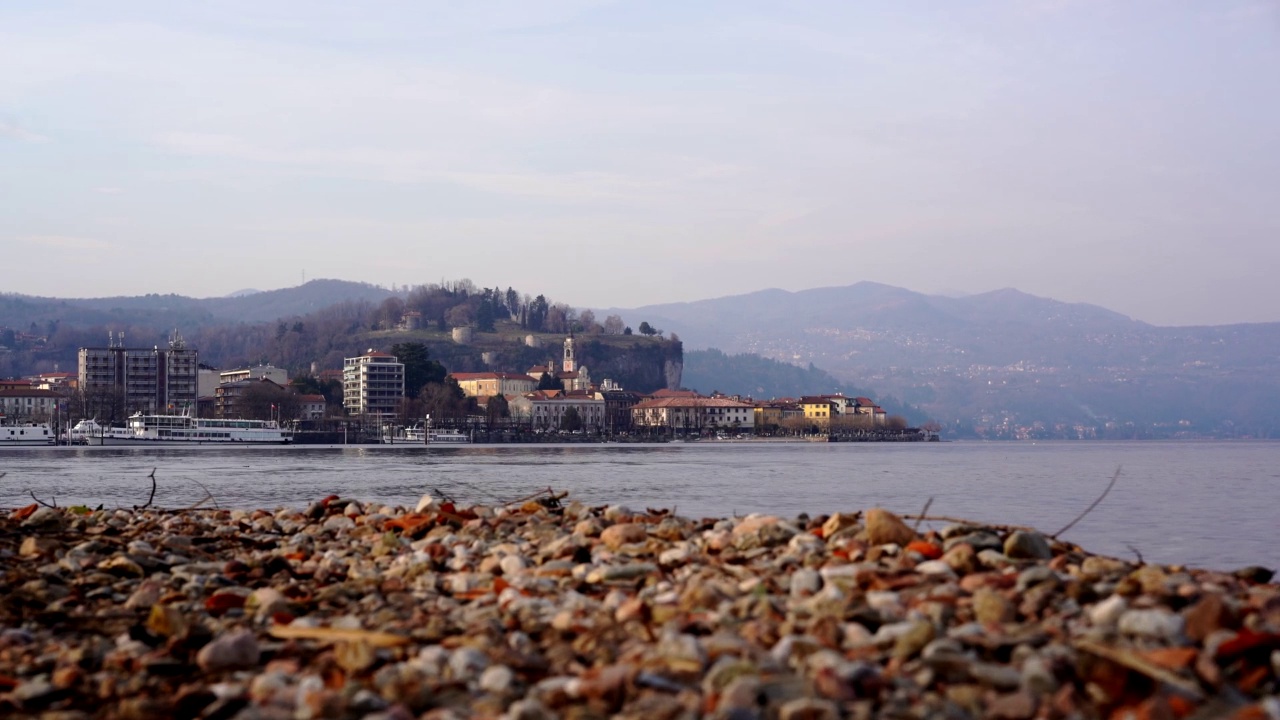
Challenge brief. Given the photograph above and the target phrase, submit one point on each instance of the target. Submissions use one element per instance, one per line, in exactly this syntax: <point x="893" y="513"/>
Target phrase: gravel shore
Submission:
<point x="546" y="610"/>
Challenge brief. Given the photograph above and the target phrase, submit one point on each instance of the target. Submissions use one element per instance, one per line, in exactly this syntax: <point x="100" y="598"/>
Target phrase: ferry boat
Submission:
<point x="26" y="434"/>
<point x="447" y="437"/>
<point x="182" y="430"/>
<point x="404" y="436"/>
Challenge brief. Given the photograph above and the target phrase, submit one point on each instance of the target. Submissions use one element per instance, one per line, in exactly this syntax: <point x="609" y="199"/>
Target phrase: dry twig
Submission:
<point x="1137" y="552"/>
<point x="153" y="492"/>
<point x="54" y="498"/>
<point x="923" y="513"/>
<point x="1091" y="506"/>
<point x="207" y="497"/>
<point x="535" y="496"/>
<point x="967" y="521"/>
<point x="1134" y="661"/>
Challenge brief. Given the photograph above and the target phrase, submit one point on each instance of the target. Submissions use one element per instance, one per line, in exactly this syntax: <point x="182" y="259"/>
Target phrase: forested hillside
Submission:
<point x="500" y="321"/>
<point x="762" y="378"/>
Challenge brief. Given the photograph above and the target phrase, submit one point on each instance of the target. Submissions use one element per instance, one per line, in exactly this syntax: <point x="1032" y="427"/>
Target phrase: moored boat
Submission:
<point x="12" y="434"/>
<point x="143" y="429"/>
<point x="447" y="437"/>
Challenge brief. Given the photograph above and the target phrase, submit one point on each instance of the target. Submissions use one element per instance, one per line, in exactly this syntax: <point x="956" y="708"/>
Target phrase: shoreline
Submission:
<point x="557" y="609"/>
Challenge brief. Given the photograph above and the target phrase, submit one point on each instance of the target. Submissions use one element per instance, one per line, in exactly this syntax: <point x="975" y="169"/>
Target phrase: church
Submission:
<point x="569" y="372"/>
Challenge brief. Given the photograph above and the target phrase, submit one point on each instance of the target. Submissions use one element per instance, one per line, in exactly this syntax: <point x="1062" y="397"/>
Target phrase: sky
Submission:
<point x="617" y="154"/>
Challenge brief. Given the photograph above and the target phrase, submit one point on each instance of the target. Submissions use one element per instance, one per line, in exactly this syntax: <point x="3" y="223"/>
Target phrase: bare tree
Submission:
<point x="613" y="325"/>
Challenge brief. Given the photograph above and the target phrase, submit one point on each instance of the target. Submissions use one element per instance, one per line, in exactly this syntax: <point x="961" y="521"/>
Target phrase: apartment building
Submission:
<point x="372" y="384"/>
<point x="142" y="379"/>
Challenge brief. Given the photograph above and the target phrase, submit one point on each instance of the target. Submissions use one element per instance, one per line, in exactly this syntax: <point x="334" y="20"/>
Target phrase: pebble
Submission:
<point x="883" y="527"/>
<point x="1107" y="613"/>
<point x="583" y="612"/>
<point x="236" y="649"/>
<point x="1022" y="545"/>
<point x="1156" y="624"/>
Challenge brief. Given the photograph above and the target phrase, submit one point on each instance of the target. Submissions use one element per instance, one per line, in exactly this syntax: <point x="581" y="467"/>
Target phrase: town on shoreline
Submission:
<point x="370" y="400"/>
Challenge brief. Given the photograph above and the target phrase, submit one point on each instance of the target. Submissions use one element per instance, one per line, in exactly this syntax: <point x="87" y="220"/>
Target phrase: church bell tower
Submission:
<point x="570" y="363"/>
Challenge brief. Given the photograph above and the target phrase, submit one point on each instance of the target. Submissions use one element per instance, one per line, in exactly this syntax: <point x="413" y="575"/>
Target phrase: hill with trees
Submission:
<point x="507" y="330"/>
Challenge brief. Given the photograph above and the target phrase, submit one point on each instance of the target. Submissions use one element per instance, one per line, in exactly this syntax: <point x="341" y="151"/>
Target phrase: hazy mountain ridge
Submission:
<point x="177" y="311"/>
<point x="1004" y="359"/>
<point x="989" y="363"/>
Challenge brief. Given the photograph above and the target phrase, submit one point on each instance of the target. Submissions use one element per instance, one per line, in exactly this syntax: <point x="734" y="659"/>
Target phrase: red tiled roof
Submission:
<point x="490" y="376"/>
<point x="23" y="392"/>
<point x="689" y="402"/>
<point x="666" y="392"/>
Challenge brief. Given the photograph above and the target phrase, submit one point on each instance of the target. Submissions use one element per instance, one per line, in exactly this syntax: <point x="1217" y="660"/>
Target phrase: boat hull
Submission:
<point x="162" y="442"/>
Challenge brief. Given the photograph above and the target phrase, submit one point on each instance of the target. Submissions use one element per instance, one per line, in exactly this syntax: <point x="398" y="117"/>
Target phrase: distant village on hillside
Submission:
<point x="377" y="391"/>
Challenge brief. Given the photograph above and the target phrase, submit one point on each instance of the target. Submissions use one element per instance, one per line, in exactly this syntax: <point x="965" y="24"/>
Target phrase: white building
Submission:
<point x="694" y="413"/>
<point x="311" y="407"/>
<point x="372" y="384"/>
<point x="33" y="405"/>
<point x="548" y="413"/>
<point x="261" y="372"/>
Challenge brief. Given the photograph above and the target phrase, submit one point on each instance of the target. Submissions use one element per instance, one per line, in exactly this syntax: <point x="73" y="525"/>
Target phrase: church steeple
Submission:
<point x="570" y="363"/>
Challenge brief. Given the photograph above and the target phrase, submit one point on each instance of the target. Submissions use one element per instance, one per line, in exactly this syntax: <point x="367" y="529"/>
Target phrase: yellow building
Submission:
<point x="819" y="410"/>
<point x="494" y="383"/>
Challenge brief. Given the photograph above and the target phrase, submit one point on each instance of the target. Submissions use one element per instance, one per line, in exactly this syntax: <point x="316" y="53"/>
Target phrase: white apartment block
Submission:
<point x="372" y="384"/>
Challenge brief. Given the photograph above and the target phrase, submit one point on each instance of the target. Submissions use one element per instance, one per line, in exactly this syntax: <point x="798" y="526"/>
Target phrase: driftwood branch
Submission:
<point x="1137" y="552"/>
<point x="32" y="493"/>
<point x="922" y="514"/>
<point x="153" y="492"/>
<point x="966" y="521"/>
<point x="537" y="495"/>
<point x="208" y="496"/>
<point x="1093" y="505"/>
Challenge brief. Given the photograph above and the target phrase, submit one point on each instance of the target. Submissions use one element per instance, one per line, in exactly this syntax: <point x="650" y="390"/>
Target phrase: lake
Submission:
<point x="1207" y="504"/>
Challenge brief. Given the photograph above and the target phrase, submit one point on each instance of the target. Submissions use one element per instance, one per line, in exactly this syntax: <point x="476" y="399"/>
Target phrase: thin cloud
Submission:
<point x="66" y="242"/>
<point x="8" y="128"/>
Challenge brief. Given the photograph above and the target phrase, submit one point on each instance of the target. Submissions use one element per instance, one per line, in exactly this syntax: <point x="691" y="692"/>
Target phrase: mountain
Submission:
<point x="165" y="312"/>
<point x="1004" y="363"/>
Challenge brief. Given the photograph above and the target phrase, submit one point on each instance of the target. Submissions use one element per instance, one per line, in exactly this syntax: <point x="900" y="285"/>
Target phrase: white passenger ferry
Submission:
<point x="183" y="430"/>
<point x="416" y="435"/>
<point x="447" y="437"/>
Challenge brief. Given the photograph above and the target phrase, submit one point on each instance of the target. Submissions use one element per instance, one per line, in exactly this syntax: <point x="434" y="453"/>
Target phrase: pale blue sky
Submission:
<point x="626" y="153"/>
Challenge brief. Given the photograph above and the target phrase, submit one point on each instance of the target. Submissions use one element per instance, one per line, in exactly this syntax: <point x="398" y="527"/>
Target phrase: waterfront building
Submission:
<point x="477" y="384"/>
<point x="548" y="412"/>
<point x="372" y="384"/>
<point x="28" y="404"/>
<point x="819" y="410"/>
<point x="261" y="372"/>
<point x="228" y="398"/>
<point x="311" y="407"/>
<point x="149" y="380"/>
<point x="694" y="414"/>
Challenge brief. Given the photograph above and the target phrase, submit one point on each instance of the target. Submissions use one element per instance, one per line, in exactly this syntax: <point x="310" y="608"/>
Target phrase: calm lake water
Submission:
<point x="1211" y="504"/>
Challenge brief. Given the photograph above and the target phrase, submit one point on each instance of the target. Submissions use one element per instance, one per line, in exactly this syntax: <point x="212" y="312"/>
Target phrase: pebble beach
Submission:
<point x="556" y="609"/>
